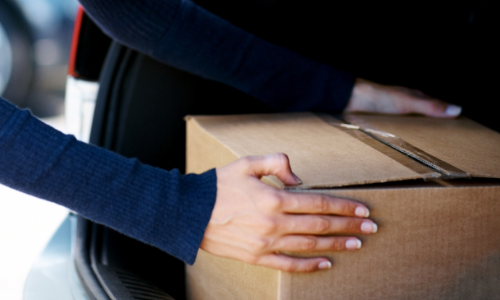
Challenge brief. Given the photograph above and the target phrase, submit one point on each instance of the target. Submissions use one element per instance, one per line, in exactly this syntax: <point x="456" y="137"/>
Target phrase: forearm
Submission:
<point x="162" y="208"/>
<point x="194" y="40"/>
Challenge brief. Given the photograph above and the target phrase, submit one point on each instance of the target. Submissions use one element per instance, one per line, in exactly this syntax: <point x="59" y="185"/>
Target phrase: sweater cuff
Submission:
<point x="198" y="192"/>
<point x="341" y="91"/>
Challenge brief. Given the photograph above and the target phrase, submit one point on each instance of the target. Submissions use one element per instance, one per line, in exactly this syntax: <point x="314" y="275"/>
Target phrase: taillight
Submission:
<point x="74" y="42"/>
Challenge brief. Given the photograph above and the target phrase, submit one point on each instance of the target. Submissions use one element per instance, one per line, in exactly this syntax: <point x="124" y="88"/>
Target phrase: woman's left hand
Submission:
<point x="372" y="97"/>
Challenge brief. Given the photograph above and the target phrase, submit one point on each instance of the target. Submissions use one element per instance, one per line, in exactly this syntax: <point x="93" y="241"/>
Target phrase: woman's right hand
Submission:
<point x="254" y="222"/>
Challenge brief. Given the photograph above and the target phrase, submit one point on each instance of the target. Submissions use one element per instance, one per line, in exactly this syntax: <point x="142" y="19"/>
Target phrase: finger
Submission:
<point x="273" y="164"/>
<point x="435" y="108"/>
<point x="294" y="264"/>
<point x="275" y="261"/>
<point x="323" y="225"/>
<point x="322" y="204"/>
<point x="310" y="243"/>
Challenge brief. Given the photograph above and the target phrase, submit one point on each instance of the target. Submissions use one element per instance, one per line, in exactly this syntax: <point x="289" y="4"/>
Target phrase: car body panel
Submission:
<point x="53" y="276"/>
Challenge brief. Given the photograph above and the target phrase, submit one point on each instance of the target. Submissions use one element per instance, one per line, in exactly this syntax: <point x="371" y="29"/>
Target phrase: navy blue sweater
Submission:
<point x="186" y="36"/>
<point x="162" y="208"/>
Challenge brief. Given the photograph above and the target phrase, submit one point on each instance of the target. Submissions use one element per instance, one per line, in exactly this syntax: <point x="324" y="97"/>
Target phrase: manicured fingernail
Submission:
<point x="325" y="265"/>
<point x="369" y="227"/>
<point x="362" y="212"/>
<point x="453" y="110"/>
<point x="297" y="178"/>
<point x="353" y="244"/>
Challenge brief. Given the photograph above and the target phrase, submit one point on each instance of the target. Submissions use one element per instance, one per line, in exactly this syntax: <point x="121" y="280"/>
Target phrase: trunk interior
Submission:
<point x="140" y="113"/>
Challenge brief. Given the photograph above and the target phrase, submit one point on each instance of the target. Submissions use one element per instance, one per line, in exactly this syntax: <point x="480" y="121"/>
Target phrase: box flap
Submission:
<point x="460" y="143"/>
<point x="321" y="154"/>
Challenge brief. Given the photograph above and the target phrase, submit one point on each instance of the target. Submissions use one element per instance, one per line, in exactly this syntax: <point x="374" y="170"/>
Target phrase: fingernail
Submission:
<point x="325" y="265"/>
<point x="453" y="110"/>
<point x="353" y="244"/>
<point x="361" y="212"/>
<point x="369" y="227"/>
<point x="297" y="178"/>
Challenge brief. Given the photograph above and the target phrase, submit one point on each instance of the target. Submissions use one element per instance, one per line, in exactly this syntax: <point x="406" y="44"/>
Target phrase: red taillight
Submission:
<point x="74" y="42"/>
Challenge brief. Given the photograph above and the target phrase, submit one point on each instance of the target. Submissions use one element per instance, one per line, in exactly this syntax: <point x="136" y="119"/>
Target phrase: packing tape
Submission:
<point x="421" y="162"/>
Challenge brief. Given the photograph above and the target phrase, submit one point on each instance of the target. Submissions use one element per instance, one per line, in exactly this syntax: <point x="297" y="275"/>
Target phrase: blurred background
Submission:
<point x="35" y="38"/>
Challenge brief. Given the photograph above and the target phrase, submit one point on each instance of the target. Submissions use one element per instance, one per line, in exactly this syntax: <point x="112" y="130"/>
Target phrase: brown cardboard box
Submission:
<point x="438" y="212"/>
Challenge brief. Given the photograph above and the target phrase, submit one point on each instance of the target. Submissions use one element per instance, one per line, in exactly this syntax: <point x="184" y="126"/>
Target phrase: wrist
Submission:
<point x="361" y="96"/>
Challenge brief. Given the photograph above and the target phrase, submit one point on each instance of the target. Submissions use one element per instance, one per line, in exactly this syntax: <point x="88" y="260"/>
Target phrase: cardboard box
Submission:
<point x="431" y="185"/>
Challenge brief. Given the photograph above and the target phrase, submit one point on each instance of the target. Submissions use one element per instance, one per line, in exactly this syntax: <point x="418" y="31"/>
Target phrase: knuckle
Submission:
<point x="246" y="162"/>
<point x="260" y="245"/>
<point x="352" y="225"/>
<point x="321" y="205"/>
<point x="343" y="207"/>
<point x="269" y="226"/>
<point x="275" y="201"/>
<point x="337" y="244"/>
<point x="432" y="105"/>
<point x="252" y="259"/>
<point x="437" y="105"/>
<point x="289" y="266"/>
<point x="310" y="268"/>
<point x="347" y="209"/>
<point x="281" y="161"/>
<point x="308" y="244"/>
<point x="282" y="158"/>
<point x="321" y="225"/>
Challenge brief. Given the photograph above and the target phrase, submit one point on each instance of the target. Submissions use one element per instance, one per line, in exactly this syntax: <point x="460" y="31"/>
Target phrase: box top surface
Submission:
<point x="326" y="152"/>
<point x="460" y="142"/>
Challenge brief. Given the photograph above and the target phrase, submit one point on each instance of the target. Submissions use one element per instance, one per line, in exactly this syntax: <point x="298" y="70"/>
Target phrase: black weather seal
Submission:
<point x="85" y="273"/>
<point x="107" y="81"/>
<point x="120" y="284"/>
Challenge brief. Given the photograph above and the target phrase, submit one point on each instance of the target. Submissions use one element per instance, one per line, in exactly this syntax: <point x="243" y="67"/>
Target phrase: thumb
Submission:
<point x="273" y="164"/>
<point x="436" y="108"/>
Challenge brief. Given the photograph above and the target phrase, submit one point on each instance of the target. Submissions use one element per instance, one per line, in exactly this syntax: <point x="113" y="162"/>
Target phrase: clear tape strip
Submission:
<point x="354" y="126"/>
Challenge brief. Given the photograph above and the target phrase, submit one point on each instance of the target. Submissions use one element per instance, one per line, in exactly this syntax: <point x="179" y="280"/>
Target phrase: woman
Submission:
<point x="180" y="213"/>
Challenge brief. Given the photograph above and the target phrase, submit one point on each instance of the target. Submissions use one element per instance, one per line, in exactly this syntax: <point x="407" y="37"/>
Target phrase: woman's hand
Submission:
<point x="372" y="97"/>
<point x="254" y="222"/>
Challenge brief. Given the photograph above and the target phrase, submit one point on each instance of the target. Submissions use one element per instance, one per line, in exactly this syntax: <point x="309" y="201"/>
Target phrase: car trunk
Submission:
<point x="141" y="105"/>
<point x="139" y="113"/>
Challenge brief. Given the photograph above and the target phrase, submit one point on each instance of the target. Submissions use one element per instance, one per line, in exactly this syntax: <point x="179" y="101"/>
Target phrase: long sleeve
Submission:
<point x="184" y="35"/>
<point x="161" y="208"/>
